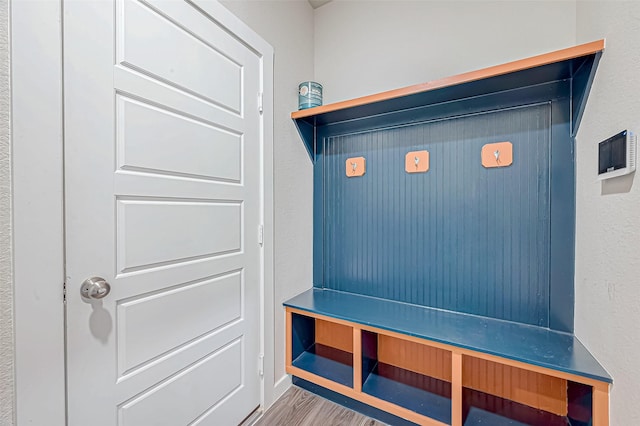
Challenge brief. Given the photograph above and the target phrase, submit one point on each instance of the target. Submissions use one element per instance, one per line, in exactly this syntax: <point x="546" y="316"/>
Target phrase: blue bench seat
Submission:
<point x="520" y="342"/>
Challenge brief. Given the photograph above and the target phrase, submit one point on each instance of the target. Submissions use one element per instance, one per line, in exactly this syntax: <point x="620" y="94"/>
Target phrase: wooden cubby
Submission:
<point x="323" y="348"/>
<point x="408" y="374"/>
<point x="494" y="393"/>
<point x="430" y="383"/>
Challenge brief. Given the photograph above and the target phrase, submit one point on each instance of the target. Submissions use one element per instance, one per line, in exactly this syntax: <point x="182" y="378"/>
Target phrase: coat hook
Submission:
<point x="498" y="154"/>
<point x="416" y="161"/>
<point x="355" y="166"/>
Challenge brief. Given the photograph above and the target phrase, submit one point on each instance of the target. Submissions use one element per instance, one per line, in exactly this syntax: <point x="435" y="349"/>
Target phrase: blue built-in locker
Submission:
<point x="449" y="292"/>
<point x="461" y="236"/>
<point x="495" y="242"/>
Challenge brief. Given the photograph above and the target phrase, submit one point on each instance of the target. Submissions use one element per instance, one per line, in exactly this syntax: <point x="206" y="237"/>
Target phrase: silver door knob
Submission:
<point x="95" y="288"/>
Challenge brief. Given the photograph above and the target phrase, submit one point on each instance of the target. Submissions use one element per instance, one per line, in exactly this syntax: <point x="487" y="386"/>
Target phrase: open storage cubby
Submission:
<point x="323" y="348"/>
<point x="499" y="394"/>
<point x="407" y="374"/>
<point x="573" y="406"/>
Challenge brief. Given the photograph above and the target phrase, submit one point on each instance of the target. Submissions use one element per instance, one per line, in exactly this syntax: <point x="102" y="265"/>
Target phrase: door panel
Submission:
<point x="153" y="233"/>
<point x="207" y="381"/>
<point x="162" y="192"/>
<point x="147" y="331"/>
<point x="158" y="44"/>
<point x="153" y="140"/>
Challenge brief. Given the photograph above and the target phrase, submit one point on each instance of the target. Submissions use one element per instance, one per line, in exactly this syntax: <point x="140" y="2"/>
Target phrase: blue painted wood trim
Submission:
<point x="460" y="237"/>
<point x="345" y="401"/>
<point x="529" y="344"/>
<point x="318" y="218"/>
<point x="413" y="398"/>
<point x="479" y="408"/>
<point x="303" y="334"/>
<point x="579" y="404"/>
<point x="563" y="218"/>
<point x="307" y="129"/>
<point x="581" y="87"/>
<point x="561" y="297"/>
<point x="480" y="417"/>
<point x="530" y="77"/>
<point x="511" y="98"/>
<point x="579" y="71"/>
<point x="369" y="353"/>
<point x="472" y="414"/>
<point x="325" y="367"/>
<point x="495" y="101"/>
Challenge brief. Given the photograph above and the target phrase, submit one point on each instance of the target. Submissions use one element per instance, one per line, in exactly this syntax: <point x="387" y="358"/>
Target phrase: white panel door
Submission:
<point x="163" y="201"/>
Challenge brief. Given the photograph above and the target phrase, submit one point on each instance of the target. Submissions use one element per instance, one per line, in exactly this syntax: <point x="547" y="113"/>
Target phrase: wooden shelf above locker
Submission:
<point x="577" y="64"/>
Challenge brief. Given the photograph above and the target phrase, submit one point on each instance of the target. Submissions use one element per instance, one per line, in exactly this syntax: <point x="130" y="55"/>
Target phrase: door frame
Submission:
<point x="37" y="149"/>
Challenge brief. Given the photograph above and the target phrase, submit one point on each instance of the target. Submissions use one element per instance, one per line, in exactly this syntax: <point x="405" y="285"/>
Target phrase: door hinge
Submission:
<point x="261" y="365"/>
<point x="260" y="106"/>
<point x="64" y="292"/>
<point x="260" y="235"/>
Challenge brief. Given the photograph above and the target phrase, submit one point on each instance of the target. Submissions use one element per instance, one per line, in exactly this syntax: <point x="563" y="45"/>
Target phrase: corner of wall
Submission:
<point x="7" y="391"/>
<point x="607" y="232"/>
<point x="289" y="27"/>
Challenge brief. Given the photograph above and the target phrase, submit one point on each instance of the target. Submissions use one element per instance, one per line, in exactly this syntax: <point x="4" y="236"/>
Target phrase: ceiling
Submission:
<point x="317" y="3"/>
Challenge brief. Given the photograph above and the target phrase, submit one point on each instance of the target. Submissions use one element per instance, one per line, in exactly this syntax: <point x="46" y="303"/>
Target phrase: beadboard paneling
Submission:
<point x="459" y="237"/>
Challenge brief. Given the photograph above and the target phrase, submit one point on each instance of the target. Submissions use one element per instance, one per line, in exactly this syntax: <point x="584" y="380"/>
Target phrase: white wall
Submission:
<point x="6" y="285"/>
<point x="288" y="27"/>
<point x="365" y="47"/>
<point x="608" y="226"/>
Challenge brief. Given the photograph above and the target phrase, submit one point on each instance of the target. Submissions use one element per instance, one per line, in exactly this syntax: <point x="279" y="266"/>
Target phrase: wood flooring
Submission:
<point x="298" y="407"/>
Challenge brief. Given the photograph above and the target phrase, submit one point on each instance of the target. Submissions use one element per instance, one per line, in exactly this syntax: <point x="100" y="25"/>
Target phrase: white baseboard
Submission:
<point x="281" y="386"/>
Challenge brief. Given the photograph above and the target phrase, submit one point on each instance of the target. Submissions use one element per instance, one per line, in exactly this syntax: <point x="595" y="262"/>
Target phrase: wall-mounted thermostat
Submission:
<point x="617" y="155"/>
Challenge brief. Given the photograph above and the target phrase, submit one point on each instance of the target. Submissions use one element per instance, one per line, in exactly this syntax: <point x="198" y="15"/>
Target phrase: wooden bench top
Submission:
<point x="520" y="342"/>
